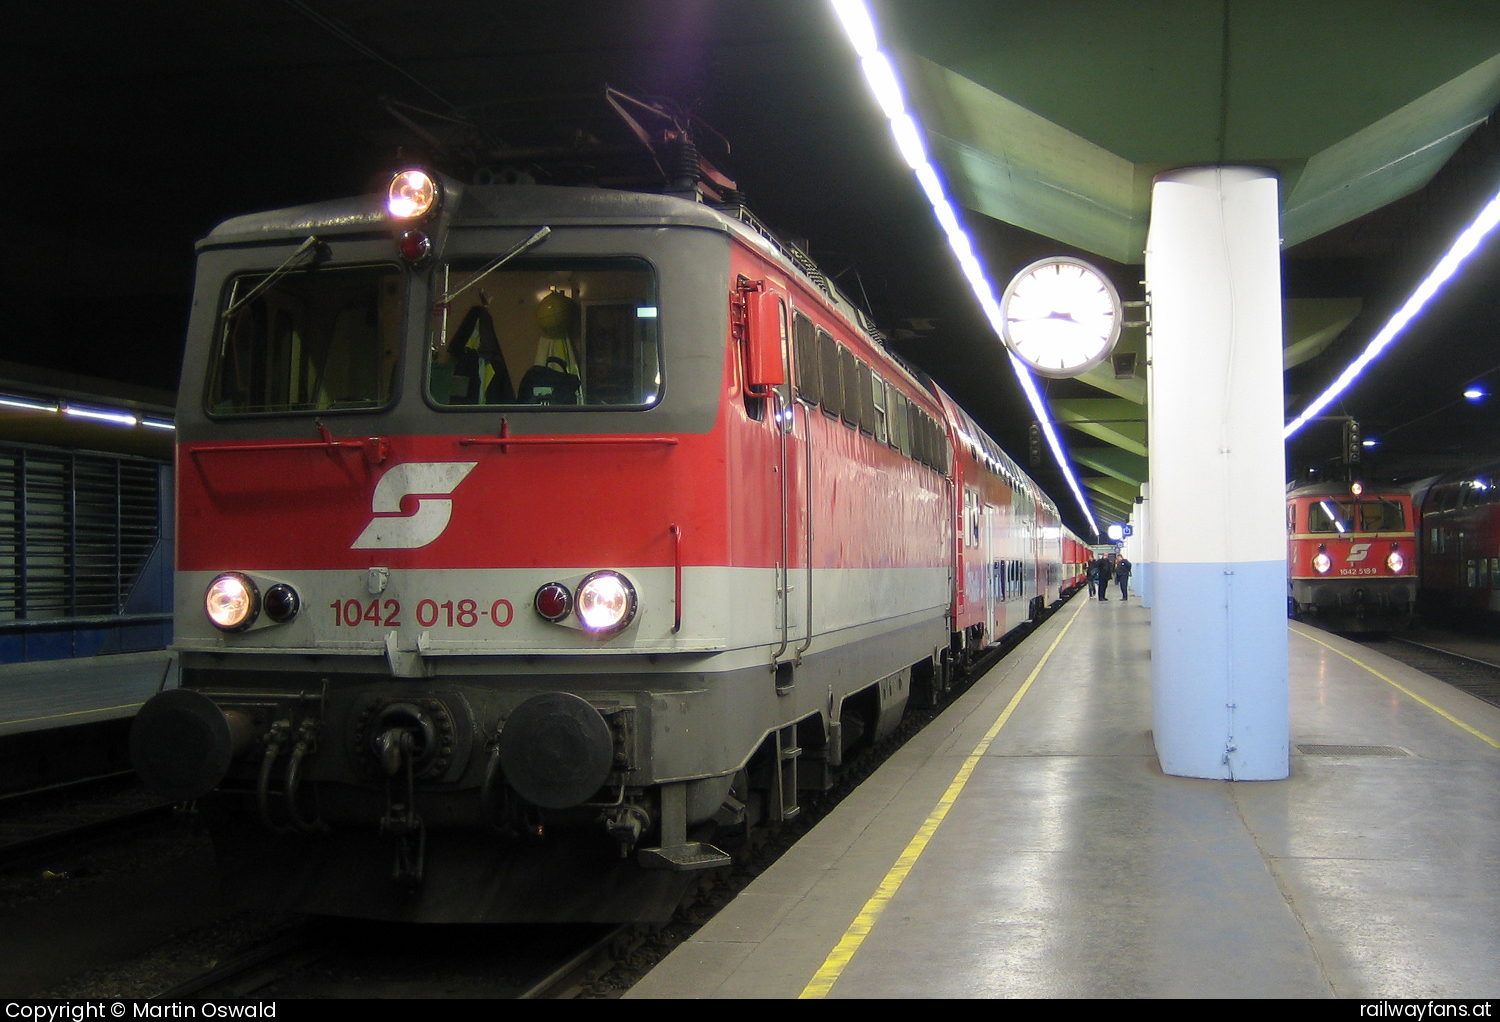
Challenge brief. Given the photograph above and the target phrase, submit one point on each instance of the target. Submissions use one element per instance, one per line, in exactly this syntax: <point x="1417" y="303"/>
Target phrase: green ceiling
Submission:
<point x="1055" y="117"/>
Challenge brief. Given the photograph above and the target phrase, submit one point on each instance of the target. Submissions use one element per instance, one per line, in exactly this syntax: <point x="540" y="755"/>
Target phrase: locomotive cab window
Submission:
<point x="1381" y="516"/>
<point x="307" y="340"/>
<point x="579" y="332"/>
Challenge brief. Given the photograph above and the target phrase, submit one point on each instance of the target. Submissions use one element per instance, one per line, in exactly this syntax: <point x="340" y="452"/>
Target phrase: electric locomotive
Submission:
<point x="529" y="536"/>
<point x="1351" y="557"/>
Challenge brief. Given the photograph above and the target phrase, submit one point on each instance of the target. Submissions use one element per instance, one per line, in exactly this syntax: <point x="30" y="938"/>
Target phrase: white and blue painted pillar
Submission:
<point x="1140" y="578"/>
<point x="1218" y="588"/>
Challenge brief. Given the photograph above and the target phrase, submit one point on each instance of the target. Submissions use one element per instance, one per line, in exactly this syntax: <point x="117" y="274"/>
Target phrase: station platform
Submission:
<point x="48" y="694"/>
<point x="1027" y="844"/>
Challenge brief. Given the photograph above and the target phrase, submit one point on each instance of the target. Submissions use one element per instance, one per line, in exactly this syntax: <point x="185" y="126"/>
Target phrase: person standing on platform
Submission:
<point x="1093" y="574"/>
<point x="1122" y="572"/>
<point x="1106" y="571"/>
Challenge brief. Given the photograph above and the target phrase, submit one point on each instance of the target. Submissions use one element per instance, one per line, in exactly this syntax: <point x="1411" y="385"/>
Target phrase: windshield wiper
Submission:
<point x="308" y="246"/>
<point x="530" y="242"/>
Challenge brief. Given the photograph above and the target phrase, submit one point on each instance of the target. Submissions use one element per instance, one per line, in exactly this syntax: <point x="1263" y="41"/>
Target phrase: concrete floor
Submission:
<point x="1070" y="866"/>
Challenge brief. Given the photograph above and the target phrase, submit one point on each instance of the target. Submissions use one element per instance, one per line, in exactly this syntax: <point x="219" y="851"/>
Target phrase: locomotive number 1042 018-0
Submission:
<point x="429" y="613"/>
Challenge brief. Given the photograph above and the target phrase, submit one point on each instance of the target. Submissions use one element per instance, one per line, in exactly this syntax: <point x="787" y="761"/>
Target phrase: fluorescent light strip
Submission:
<point x="118" y="417"/>
<point x="881" y="76"/>
<point x="100" y="415"/>
<point x="25" y="404"/>
<point x="1463" y="247"/>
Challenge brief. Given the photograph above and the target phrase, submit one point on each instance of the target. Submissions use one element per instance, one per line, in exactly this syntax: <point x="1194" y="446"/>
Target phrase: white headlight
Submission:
<point x="1321" y="563"/>
<point x="412" y="193"/>
<point x="605" y="602"/>
<point x="1395" y="562"/>
<point x="232" y="602"/>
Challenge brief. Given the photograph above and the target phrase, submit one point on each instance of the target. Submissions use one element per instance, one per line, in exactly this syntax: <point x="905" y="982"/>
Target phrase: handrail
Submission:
<point x="376" y="448"/>
<point x="539" y="441"/>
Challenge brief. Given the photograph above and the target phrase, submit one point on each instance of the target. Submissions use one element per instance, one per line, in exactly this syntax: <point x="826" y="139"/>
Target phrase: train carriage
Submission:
<point x="526" y="534"/>
<point x="1460" y="545"/>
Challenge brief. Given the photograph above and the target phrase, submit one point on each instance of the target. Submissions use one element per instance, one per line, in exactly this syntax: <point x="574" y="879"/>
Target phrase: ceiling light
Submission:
<point x="26" y="404"/>
<point x="1462" y="248"/>
<point x="100" y="415"/>
<point x="881" y="76"/>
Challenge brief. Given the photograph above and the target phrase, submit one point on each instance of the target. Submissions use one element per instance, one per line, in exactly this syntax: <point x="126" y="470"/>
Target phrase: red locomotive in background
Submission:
<point x="1351" y="557"/>
<point x="528" y="534"/>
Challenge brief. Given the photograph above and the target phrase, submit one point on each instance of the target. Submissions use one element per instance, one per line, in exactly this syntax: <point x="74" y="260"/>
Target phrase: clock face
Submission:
<point x="1060" y="316"/>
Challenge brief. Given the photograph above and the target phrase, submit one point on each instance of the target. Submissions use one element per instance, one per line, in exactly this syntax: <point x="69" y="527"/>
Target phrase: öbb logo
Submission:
<point x="430" y="480"/>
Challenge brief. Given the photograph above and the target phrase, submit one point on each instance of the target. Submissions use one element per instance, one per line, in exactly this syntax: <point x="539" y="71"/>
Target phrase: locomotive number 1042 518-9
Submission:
<point x="429" y="613"/>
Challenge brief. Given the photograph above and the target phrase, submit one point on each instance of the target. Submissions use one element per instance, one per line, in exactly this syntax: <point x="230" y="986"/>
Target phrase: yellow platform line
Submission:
<point x="1403" y="689"/>
<point x="843" y="952"/>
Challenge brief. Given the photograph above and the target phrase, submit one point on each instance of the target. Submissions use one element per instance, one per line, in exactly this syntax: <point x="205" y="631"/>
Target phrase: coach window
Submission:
<point x="805" y="342"/>
<point x="832" y="385"/>
<point x="312" y="339"/>
<point x="537" y="332"/>
<point x="877" y="391"/>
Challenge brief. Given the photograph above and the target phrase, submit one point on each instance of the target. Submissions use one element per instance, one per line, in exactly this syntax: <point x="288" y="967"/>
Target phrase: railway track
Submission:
<point x="1467" y="662"/>
<point x="341" y="959"/>
<point x="57" y="815"/>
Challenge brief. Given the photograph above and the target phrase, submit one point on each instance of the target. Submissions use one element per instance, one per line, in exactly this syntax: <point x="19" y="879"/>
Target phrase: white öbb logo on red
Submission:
<point x="432" y="481"/>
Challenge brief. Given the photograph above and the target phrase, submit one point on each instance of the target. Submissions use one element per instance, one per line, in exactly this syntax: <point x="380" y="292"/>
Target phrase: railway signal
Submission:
<point x="1352" y="446"/>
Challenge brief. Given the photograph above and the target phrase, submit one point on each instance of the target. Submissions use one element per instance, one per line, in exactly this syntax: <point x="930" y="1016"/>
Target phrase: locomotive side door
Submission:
<point x="768" y="374"/>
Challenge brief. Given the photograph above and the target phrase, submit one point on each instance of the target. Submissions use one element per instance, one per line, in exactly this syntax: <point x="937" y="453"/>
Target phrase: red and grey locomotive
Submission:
<point x="526" y="533"/>
<point x="1351" y="557"/>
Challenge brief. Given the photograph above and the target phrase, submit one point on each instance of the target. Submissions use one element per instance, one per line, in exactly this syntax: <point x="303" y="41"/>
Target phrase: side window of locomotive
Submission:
<point x="865" y="377"/>
<point x="833" y="387"/>
<point x="577" y="332"/>
<point x="308" y="340"/>
<point x="785" y="388"/>
<point x="849" y="374"/>
<point x="805" y="342"/>
<point x="878" y="394"/>
<point x="903" y="424"/>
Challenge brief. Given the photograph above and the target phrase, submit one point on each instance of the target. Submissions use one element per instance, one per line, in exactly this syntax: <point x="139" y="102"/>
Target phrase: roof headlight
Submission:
<point x="412" y="193"/>
<point x="605" y="602"/>
<point x="232" y="602"/>
<point x="1395" y="562"/>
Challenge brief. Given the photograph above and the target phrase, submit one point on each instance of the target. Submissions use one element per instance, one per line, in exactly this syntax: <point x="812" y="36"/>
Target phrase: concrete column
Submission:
<point x="1218" y="621"/>
<point x="1140" y="579"/>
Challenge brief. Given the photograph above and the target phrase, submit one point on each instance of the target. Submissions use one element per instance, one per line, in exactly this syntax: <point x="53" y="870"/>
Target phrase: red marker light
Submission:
<point x="553" y="601"/>
<point x="415" y="246"/>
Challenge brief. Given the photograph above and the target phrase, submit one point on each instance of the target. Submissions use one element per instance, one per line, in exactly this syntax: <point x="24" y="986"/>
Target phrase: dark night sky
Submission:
<point x="133" y="129"/>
